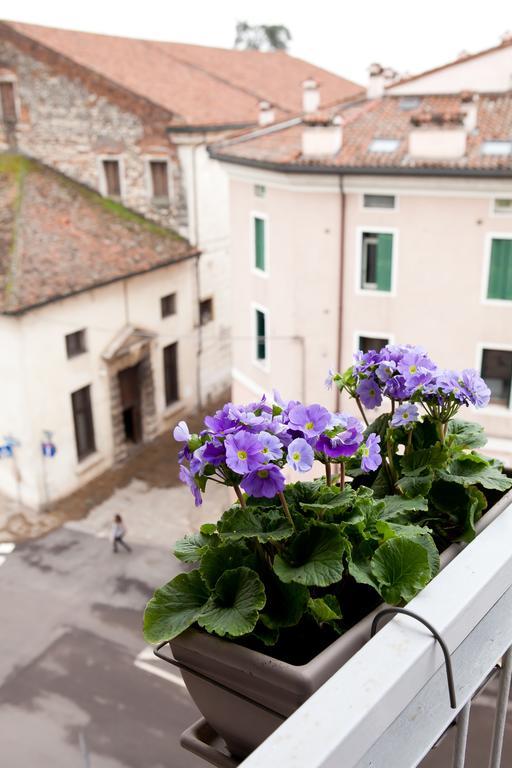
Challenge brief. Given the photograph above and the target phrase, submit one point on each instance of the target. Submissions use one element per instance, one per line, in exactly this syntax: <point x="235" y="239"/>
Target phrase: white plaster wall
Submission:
<point x="40" y="385"/>
<point x="487" y="73"/>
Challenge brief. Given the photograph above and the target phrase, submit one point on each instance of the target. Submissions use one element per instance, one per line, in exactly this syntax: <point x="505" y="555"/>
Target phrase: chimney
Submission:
<point x="379" y="78"/>
<point x="310" y="96"/>
<point x="322" y="137"/>
<point x="266" y="113"/>
<point x="437" y="136"/>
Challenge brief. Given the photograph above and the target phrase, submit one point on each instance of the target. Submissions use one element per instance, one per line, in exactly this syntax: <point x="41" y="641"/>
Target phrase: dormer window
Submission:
<point x="384" y="145"/>
<point x="497" y="147"/>
<point x="8" y="101"/>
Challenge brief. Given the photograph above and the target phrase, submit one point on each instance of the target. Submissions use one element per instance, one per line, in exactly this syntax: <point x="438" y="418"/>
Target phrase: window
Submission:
<point x="409" y="102"/>
<point x="503" y="205"/>
<point x="8" y="102"/>
<point x="379" y="201"/>
<point x="171" y="373"/>
<point x="384" y="145"/>
<point x="205" y="311"/>
<point x="159" y="179"/>
<point x="496" y="148"/>
<point x="260" y="256"/>
<point x="260" y="190"/>
<point x="497" y="372"/>
<point x="376" y="261"/>
<point x="261" y="335"/>
<point x="112" y="178"/>
<point x="84" y="427"/>
<point x="366" y="343"/>
<point x="500" y="270"/>
<point x="168" y="305"/>
<point x="75" y="343"/>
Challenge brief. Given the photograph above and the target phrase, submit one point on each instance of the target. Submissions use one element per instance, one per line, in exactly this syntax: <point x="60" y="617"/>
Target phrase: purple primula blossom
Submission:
<point x="214" y="453"/>
<point x="475" y="388"/>
<point x="267" y="482"/>
<point x="343" y="438"/>
<point x="222" y="423"/>
<point x="385" y="370"/>
<point x="396" y="389"/>
<point x="300" y="455"/>
<point x="181" y="432"/>
<point x="271" y="446"/>
<point x="405" y="415"/>
<point x="330" y="377"/>
<point x="371" y="458"/>
<point x="310" y="420"/>
<point x="369" y="393"/>
<point x="243" y="452"/>
<point x="198" y="462"/>
<point x="417" y="369"/>
<point x="247" y="418"/>
<point x="187" y="478"/>
<point x="447" y="383"/>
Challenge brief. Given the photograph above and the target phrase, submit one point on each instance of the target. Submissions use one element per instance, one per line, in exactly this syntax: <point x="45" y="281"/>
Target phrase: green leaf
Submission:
<point x="381" y="486"/>
<point x="379" y="426"/>
<point x="224" y="557"/>
<point x="339" y="508"/>
<point x="397" y="507"/>
<point x="234" y="605"/>
<point x="417" y="533"/>
<point x="425" y="459"/>
<point x="324" y="608"/>
<point x="266" y="635"/>
<point x="191" y="548"/>
<point x="401" y="568"/>
<point x="314" y="557"/>
<point x="425" y="434"/>
<point x="359" y="564"/>
<point x="254" y="523"/>
<point x="416" y="486"/>
<point x="285" y="604"/>
<point x="474" y="470"/>
<point x="175" y="607"/>
<point x="208" y="529"/>
<point x="477" y="504"/>
<point x="466" y="434"/>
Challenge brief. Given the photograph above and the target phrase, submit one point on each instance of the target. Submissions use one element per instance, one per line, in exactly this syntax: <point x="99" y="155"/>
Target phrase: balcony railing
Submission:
<point x="389" y="705"/>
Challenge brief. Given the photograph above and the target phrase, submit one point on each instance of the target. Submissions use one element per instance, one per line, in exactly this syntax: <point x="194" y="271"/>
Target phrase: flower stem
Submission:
<point x="285" y="508"/>
<point x="342" y="475"/>
<point x="409" y="442"/>
<point x="363" y="414"/>
<point x="328" y="475"/>
<point x="239" y="496"/>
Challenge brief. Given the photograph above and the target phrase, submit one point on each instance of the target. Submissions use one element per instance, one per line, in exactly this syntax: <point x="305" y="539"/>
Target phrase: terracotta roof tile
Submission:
<point x="58" y="238"/>
<point x="199" y="85"/>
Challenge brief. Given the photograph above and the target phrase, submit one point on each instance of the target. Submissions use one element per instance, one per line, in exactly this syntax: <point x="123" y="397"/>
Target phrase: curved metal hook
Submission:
<point x="437" y="636"/>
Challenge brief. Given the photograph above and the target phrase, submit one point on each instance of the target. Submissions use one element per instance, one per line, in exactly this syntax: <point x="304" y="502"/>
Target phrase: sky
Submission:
<point x="345" y="37"/>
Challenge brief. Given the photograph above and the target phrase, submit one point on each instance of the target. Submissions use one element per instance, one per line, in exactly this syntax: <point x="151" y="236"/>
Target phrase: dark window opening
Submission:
<point x="376" y="261"/>
<point x="366" y="343"/>
<point x="497" y="372"/>
<point x="168" y="305"/>
<point x="112" y="177"/>
<point x="75" y="343"/>
<point x="171" y="373"/>
<point x="129" y="386"/>
<point x="261" y="341"/>
<point x="205" y="311"/>
<point x="84" y="426"/>
<point x="8" y="101"/>
<point x="159" y="179"/>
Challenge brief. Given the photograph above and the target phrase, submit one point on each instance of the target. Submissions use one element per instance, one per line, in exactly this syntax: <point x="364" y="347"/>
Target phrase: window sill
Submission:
<point x="173" y="409"/>
<point x="88" y="463"/>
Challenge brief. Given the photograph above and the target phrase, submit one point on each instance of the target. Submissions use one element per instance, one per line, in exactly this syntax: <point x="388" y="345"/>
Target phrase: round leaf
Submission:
<point x="234" y="606"/>
<point x="285" y="605"/>
<point x="191" y="548"/>
<point x="222" y="558"/>
<point x="175" y="607"/>
<point x="254" y="523"/>
<point x="314" y="557"/>
<point x="401" y="568"/>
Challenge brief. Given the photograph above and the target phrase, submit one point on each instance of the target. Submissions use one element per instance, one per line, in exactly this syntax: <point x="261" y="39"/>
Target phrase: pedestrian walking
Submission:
<point x="118" y="534"/>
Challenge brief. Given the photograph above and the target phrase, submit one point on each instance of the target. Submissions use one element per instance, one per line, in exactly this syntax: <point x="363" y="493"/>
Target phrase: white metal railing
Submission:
<point x="389" y="704"/>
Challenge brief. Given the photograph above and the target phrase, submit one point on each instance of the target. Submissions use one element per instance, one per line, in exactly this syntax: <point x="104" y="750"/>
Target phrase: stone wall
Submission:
<point x="69" y="122"/>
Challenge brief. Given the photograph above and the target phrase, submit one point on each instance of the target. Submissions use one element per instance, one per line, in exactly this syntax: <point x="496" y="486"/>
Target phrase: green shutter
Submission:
<point x="261" y="346"/>
<point x="259" y="243"/>
<point x="384" y="259"/>
<point x="500" y="270"/>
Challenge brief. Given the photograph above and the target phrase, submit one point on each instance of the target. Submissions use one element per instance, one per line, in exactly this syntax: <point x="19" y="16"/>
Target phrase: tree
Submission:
<point x="262" y="37"/>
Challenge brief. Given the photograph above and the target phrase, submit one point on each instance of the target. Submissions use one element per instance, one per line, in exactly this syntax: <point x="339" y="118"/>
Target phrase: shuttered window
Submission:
<point x="112" y="178"/>
<point x="259" y="244"/>
<point x="497" y="372"/>
<point x="261" y="335"/>
<point x="500" y="270"/>
<point x="8" y="102"/>
<point x="376" y="262"/>
<point x="84" y="426"/>
<point x="171" y="373"/>
<point x="159" y="179"/>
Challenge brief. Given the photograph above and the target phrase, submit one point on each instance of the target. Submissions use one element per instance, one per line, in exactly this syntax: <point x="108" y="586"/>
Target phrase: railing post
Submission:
<point x="501" y="710"/>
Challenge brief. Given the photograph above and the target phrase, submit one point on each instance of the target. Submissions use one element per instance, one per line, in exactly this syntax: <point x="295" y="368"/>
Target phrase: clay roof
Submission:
<point x="387" y="118"/>
<point x="58" y="238"/>
<point x="198" y="85"/>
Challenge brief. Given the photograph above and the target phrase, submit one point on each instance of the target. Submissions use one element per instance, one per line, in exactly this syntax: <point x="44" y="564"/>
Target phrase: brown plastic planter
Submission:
<point x="276" y="688"/>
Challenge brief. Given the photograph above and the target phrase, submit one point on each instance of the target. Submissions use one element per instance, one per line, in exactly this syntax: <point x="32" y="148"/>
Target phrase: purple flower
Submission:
<point x="187" y="478"/>
<point x="264" y="482"/>
<point x="446" y="382"/>
<point x="271" y="446"/>
<point x="181" y="432"/>
<point x="369" y="393"/>
<point x="475" y="388"/>
<point x="311" y="420"/>
<point x="243" y="452"/>
<point x="385" y="370"/>
<point x="214" y="453"/>
<point x="395" y="388"/>
<point x="198" y="462"/>
<point x="342" y="438"/>
<point x="330" y="376"/>
<point x="300" y="455"/>
<point x="371" y="458"/>
<point x="405" y="415"/>
<point x="416" y="368"/>
<point x="222" y="422"/>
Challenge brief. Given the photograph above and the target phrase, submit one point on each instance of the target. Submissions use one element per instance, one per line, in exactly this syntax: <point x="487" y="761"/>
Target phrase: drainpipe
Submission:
<point x="339" y="356"/>
<point x="198" y="280"/>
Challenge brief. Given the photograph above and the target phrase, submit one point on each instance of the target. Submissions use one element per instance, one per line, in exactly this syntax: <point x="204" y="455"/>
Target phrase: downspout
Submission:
<point x="339" y="356"/>
<point x="198" y="280"/>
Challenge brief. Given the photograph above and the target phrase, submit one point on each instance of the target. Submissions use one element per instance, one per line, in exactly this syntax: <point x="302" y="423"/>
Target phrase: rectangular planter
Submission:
<point x="276" y="689"/>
